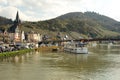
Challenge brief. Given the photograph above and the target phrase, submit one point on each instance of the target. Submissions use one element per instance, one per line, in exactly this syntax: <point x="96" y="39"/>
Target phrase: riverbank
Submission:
<point x="14" y="53"/>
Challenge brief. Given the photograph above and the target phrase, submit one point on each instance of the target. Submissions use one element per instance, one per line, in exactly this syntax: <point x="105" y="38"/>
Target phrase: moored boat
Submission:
<point x="76" y="47"/>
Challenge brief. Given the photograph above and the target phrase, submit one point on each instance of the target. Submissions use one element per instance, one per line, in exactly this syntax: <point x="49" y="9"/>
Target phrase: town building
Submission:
<point x="33" y="36"/>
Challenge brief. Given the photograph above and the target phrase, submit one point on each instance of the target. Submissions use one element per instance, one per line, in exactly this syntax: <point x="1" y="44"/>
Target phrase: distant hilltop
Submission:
<point x="75" y="25"/>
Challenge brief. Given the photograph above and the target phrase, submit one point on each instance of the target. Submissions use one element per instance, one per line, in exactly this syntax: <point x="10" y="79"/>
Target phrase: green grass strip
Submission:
<point x="14" y="53"/>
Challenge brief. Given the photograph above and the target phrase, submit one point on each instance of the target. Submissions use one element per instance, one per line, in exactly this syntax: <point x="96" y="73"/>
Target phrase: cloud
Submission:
<point x="109" y="8"/>
<point x="8" y="11"/>
<point x="45" y="9"/>
<point x="37" y="9"/>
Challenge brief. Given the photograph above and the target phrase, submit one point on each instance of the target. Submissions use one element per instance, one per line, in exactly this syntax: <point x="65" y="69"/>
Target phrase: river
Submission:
<point x="99" y="64"/>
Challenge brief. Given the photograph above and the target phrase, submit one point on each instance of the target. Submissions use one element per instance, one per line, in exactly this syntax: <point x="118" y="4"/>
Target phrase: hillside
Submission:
<point x="5" y="23"/>
<point x="88" y="23"/>
<point x="102" y="20"/>
<point x="76" y="24"/>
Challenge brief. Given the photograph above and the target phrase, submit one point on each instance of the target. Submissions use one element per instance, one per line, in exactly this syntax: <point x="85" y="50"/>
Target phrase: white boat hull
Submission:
<point x="78" y="50"/>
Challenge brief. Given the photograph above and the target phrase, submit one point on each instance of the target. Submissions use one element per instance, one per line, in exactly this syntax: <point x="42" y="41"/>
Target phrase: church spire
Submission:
<point x="16" y="26"/>
<point x="17" y="20"/>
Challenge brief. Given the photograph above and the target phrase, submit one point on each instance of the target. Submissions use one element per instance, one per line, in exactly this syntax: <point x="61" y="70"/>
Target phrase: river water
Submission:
<point x="100" y="63"/>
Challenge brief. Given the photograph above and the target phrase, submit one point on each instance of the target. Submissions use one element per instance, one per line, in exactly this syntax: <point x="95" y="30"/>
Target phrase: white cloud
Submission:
<point x="106" y="7"/>
<point x="15" y="2"/>
<point x="46" y="9"/>
<point x="8" y="11"/>
<point x="4" y="2"/>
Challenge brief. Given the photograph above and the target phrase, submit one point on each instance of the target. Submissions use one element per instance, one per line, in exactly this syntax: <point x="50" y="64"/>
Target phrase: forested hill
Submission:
<point x="77" y="24"/>
<point x="5" y="23"/>
<point x="102" y="20"/>
<point x="88" y="23"/>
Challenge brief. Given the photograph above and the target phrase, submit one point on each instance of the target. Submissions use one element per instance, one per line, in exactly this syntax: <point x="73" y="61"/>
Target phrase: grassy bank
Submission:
<point x="14" y="53"/>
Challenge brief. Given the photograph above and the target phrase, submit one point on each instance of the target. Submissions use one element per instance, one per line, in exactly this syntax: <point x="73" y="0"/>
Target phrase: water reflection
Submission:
<point x="99" y="64"/>
<point x="17" y="58"/>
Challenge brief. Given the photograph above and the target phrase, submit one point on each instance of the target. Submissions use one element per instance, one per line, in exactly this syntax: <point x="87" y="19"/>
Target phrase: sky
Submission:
<point x="37" y="10"/>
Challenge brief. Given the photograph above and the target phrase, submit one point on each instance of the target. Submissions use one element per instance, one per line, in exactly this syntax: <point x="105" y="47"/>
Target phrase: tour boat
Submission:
<point x="76" y="47"/>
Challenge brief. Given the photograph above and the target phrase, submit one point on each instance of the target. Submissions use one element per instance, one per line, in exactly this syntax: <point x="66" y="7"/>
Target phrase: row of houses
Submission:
<point x="20" y="37"/>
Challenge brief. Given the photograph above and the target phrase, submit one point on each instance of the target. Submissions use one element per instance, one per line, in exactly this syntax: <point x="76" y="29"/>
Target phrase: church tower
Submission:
<point x="16" y="26"/>
<point x="14" y="30"/>
<point x="17" y="20"/>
